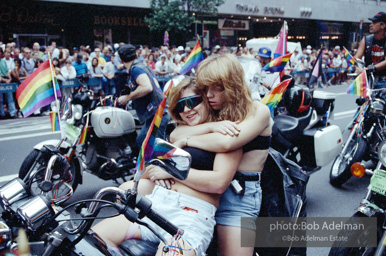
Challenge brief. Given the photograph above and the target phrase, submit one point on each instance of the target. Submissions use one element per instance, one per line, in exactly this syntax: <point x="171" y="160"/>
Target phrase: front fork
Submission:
<point x="382" y="243"/>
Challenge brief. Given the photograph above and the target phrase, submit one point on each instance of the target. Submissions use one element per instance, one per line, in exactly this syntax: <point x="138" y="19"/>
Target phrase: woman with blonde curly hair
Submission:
<point x="245" y="124"/>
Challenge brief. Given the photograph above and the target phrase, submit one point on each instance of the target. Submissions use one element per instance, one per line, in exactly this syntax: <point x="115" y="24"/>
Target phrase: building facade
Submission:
<point x="73" y="23"/>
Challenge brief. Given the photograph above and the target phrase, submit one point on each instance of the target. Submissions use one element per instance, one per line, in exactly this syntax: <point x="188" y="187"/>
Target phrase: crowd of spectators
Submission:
<point x="104" y="63"/>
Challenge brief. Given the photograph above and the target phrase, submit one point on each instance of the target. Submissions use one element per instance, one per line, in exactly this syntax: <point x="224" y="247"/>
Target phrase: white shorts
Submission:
<point x="193" y="215"/>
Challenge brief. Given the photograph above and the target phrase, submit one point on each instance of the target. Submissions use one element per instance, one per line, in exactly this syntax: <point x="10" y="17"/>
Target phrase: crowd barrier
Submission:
<point x="91" y="82"/>
<point x="324" y="70"/>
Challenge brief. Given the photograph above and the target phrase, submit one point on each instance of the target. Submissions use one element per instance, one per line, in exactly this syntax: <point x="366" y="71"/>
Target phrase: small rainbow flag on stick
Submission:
<point x="83" y="136"/>
<point x="54" y="118"/>
<point x="350" y="59"/>
<point x="36" y="91"/>
<point x="278" y="64"/>
<point x="273" y="97"/>
<point x="148" y="144"/>
<point x="194" y="58"/>
<point x="359" y="86"/>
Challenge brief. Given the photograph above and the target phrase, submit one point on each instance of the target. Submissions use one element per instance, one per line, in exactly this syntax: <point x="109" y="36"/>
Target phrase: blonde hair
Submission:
<point x="224" y="72"/>
<point x="175" y="96"/>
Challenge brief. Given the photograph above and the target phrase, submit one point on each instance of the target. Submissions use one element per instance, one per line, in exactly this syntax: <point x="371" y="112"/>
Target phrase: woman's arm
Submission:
<point x="215" y="181"/>
<point x="254" y="125"/>
<point x="223" y="127"/>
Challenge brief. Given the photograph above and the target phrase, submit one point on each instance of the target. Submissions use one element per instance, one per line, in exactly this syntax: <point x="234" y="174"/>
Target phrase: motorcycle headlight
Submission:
<point x="12" y="191"/>
<point x="5" y="236"/>
<point x="382" y="152"/>
<point x="377" y="107"/>
<point x="77" y="111"/>
<point x="35" y="211"/>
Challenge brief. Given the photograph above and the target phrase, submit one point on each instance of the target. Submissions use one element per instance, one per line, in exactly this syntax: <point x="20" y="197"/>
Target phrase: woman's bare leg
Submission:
<point x="229" y="242"/>
<point x="114" y="230"/>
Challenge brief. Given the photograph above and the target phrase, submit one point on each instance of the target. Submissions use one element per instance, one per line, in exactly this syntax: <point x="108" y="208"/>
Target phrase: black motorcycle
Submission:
<point x="57" y="233"/>
<point x="96" y="137"/>
<point x="302" y="129"/>
<point x="372" y="206"/>
<point x="365" y="135"/>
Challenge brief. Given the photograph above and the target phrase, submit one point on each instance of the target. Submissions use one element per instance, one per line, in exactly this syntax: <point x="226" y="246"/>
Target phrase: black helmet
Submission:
<point x="127" y="52"/>
<point x="297" y="100"/>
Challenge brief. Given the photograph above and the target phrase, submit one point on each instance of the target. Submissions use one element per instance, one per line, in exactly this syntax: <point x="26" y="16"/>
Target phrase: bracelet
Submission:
<point x="186" y="142"/>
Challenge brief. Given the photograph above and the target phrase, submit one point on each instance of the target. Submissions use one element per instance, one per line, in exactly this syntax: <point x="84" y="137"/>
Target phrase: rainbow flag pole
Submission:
<point x="54" y="88"/>
<point x="149" y="141"/>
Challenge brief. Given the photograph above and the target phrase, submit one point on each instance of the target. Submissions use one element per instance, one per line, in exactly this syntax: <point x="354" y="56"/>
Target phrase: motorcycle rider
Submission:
<point x="191" y="209"/>
<point x="144" y="92"/>
<point x="373" y="48"/>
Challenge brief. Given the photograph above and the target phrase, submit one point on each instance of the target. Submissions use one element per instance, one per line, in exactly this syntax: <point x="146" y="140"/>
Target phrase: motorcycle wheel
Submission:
<point x="340" y="169"/>
<point x="61" y="191"/>
<point x="357" y="251"/>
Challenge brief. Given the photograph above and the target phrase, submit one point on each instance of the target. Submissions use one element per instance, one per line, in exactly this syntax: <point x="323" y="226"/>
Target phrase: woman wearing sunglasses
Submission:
<point x="222" y="77"/>
<point x="191" y="209"/>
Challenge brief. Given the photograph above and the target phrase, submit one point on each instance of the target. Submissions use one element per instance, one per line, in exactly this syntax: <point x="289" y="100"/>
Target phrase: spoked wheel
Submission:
<point x="61" y="186"/>
<point x="340" y="170"/>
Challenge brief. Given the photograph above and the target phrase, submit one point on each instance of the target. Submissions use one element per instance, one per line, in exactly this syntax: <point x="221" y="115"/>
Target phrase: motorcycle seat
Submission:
<point x="291" y="127"/>
<point x="135" y="247"/>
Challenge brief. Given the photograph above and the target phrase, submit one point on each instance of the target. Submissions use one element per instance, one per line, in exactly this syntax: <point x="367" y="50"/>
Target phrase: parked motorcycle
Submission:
<point x="55" y="232"/>
<point x="97" y="138"/>
<point x="373" y="205"/>
<point x="364" y="138"/>
<point x="303" y="132"/>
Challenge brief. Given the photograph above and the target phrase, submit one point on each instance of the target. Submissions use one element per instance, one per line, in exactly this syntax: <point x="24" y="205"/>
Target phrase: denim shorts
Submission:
<point x="193" y="215"/>
<point x="233" y="206"/>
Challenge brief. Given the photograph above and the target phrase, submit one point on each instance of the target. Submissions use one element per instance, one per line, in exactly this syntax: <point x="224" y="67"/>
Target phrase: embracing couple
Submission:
<point x="228" y="136"/>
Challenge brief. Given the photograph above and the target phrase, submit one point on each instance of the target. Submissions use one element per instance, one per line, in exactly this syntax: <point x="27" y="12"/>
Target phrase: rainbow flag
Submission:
<point x="83" y="136"/>
<point x="148" y="144"/>
<point x="36" y="90"/>
<point x="301" y="67"/>
<point x="359" y="86"/>
<point x="350" y="59"/>
<point x="54" y="118"/>
<point x="278" y="64"/>
<point x="273" y="97"/>
<point x="281" y="48"/>
<point x="194" y="58"/>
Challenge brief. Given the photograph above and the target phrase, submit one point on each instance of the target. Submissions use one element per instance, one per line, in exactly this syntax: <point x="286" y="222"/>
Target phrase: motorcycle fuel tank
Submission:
<point x="110" y="122"/>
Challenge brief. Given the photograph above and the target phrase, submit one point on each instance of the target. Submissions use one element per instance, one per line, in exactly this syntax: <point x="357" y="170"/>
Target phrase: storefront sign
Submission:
<point x="118" y="21"/>
<point x="233" y="24"/>
<point x="23" y="15"/>
<point x="254" y="9"/>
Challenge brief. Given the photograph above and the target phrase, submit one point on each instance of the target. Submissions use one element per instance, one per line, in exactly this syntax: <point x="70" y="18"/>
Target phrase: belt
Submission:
<point x="241" y="177"/>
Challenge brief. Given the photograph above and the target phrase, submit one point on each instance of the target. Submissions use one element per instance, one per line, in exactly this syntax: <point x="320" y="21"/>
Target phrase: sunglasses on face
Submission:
<point x="191" y="102"/>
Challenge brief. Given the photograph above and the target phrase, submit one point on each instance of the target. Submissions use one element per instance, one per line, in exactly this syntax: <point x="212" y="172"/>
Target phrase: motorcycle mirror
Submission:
<point x="173" y="160"/>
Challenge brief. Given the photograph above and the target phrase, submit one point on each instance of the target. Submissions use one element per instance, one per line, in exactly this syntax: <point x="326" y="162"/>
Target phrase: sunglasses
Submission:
<point x="191" y="102"/>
